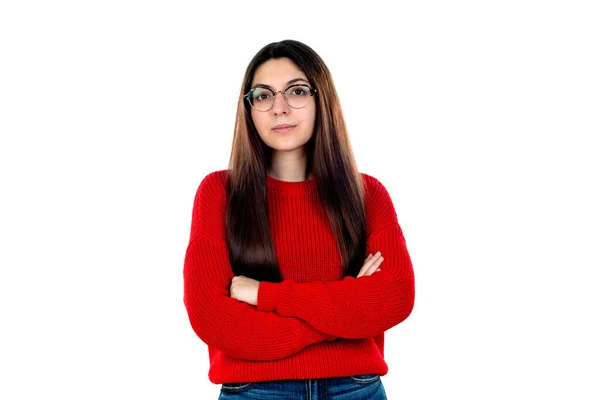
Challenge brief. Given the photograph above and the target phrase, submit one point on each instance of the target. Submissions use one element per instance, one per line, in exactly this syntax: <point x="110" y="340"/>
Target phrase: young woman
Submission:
<point x="276" y="281"/>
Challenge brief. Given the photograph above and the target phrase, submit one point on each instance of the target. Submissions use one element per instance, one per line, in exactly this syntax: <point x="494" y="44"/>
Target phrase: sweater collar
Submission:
<point x="287" y="187"/>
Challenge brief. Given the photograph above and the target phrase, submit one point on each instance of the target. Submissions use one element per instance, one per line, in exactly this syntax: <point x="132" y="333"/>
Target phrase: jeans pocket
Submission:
<point x="365" y="379"/>
<point x="235" y="387"/>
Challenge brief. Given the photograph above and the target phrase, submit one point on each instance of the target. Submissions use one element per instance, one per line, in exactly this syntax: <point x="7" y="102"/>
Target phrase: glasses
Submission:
<point x="263" y="99"/>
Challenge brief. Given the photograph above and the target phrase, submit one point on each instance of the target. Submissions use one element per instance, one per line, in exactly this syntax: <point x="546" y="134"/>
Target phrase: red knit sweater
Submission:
<point x="314" y="324"/>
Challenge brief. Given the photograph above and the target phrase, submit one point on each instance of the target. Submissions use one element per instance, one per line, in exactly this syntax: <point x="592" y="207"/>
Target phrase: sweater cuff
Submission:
<point x="268" y="296"/>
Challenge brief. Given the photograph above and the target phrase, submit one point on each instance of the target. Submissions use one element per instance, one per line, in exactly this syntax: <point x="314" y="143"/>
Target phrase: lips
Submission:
<point x="283" y="128"/>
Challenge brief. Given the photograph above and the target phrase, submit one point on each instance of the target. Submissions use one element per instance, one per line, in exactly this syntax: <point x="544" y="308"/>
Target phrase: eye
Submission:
<point x="298" y="91"/>
<point x="261" y="95"/>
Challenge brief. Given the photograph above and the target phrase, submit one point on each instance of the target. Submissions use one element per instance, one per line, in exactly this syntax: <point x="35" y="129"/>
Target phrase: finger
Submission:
<point x="366" y="264"/>
<point x="374" y="266"/>
<point x="373" y="259"/>
<point x="369" y="262"/>
<point x="361" y="272"/>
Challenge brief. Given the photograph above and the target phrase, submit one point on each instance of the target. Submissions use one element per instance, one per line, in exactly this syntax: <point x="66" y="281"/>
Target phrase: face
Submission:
<point x="277" y="73"/>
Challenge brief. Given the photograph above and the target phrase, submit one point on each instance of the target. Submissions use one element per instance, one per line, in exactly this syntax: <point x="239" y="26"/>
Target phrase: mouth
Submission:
<point x="283" y="128"/>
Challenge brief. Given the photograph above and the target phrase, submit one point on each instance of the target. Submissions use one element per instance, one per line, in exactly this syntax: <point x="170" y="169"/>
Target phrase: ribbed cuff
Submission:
<point x="268" y="296"/>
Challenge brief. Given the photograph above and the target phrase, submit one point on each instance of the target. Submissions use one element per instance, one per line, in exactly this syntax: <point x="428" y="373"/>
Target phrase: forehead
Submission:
<point x="277" y="72"/>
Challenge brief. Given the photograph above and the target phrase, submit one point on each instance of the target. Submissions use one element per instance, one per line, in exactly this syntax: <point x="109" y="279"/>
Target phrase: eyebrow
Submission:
<point x="289" y="82"/>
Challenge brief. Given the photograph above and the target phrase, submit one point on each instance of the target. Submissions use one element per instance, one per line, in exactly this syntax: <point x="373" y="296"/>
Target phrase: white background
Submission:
<point x="479" y="117"/>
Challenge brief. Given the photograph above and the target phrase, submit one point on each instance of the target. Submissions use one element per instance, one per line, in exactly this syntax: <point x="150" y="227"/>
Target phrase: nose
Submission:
<point x="280" y="106"/>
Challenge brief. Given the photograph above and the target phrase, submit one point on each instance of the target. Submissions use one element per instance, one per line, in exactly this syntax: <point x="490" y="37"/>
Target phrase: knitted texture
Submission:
<point x="314" y="324"/>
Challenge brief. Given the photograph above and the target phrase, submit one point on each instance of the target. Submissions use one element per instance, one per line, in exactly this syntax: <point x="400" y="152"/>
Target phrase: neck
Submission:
<point x="289" y="167"/>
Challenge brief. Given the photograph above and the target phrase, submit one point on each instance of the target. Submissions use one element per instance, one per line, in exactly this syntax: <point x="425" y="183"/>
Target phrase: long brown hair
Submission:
<point x="329" y="158"/>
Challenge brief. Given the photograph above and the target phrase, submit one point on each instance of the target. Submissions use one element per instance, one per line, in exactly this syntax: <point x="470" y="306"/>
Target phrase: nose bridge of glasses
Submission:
<point x="283" y="96"/>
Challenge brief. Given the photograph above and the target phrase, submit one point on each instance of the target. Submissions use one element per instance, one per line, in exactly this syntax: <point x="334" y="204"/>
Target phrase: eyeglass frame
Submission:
<point x="283" y="92"/>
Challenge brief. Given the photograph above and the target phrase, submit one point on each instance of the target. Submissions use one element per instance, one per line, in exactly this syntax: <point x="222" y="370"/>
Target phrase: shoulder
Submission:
<point x="215" y="179"/>
<point x="213" y="185"/>
<point x="208" y="216"/>
<point x="370" y="180"/>
<point x="374" y="188"/>
<point x="379" y="207"/>
<point x="212" y="193"/>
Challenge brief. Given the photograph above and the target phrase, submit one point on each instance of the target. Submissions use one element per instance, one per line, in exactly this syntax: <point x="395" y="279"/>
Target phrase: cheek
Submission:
<point x="310" y="117"/>
<point x="259" y="121"/>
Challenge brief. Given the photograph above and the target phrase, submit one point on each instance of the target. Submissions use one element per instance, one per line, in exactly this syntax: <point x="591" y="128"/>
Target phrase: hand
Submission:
<point x="244" y="289"/>
<point x="371" y="265"/>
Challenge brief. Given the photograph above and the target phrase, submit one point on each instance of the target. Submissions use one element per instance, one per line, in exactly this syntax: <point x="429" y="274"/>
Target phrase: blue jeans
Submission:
<point x="356" y="387"/>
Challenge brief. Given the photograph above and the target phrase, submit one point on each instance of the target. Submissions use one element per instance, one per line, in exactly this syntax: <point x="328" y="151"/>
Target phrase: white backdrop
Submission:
<point x="478" y="117"/>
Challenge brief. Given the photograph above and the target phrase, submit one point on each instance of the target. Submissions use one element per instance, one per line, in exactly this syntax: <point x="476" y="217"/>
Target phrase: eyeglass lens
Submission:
<point x="262" y="99"/>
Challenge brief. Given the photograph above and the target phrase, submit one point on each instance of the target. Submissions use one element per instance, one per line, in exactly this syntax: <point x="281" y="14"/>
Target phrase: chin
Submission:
<point x="283" y="143"/>
<point x="286" y="148"/>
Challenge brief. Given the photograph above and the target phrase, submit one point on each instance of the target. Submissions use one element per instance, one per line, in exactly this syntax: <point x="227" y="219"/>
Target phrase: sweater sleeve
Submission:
<point x="355" y="307"/>
<point x="236" y="328"/>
